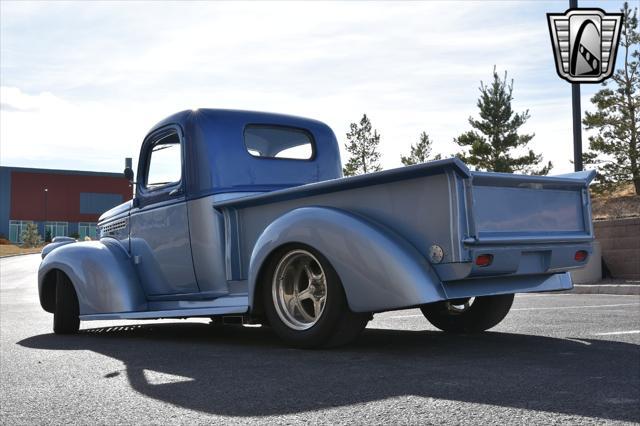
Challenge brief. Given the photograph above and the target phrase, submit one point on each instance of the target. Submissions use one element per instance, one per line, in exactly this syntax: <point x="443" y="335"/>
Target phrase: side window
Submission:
<point x="165" y="162"/>
<point x="278" y="142"/>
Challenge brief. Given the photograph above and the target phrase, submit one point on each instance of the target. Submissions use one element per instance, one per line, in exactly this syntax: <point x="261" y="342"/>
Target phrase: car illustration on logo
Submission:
<point x="585" y="43"/>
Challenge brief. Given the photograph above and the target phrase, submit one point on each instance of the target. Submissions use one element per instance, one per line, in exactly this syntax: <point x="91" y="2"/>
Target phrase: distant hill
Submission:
<point x="615" y="204"/>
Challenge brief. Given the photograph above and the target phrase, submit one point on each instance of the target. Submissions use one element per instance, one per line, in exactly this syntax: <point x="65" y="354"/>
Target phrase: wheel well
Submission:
<point x="258" y="304"/>
<point x="48" y="291"/>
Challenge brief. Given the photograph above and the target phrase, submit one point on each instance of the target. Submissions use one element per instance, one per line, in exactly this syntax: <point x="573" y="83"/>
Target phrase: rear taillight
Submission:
<point x="581" y="256"/>
<point x="484" y="260"/>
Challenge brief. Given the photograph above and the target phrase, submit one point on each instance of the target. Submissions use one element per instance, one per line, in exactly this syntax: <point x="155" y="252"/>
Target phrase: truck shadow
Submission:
<point x="240" y="371"/>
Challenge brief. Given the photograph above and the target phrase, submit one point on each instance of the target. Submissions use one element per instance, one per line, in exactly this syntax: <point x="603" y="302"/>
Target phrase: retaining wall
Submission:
<point x="620" y="243"/>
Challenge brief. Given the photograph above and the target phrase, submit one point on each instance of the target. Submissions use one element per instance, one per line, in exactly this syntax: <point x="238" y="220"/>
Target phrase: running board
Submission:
<point x="173" y="313"/>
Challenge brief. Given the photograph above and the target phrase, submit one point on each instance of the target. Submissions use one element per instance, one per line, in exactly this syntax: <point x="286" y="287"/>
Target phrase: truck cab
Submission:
<point x="191" y="160"/>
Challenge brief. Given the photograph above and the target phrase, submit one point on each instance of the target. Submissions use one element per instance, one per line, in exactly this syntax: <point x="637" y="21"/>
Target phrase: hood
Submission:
<point x="116" y="211"/>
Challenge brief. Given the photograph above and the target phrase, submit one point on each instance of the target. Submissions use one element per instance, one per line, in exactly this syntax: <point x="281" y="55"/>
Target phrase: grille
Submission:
<point x="113" y="227"/>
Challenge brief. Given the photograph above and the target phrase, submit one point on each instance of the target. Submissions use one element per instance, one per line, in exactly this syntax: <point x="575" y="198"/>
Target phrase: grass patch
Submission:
<point x="11" y="250"/>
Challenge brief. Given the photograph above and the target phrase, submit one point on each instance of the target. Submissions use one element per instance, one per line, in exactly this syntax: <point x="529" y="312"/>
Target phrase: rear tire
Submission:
<point x="66" y="317"/>
<point x="460" y="316"/>
<point x="304" y="300"/>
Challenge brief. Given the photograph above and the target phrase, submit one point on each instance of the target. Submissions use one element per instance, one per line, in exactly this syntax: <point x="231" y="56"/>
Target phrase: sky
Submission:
<point x="83" y="82"/>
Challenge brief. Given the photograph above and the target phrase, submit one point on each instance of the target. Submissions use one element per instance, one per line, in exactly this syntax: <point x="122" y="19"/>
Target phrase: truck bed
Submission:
<point x="528" y="224"/>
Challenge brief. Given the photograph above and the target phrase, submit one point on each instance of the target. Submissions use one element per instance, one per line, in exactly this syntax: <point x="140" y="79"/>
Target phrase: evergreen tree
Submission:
<point x="362" y="147"/>
<point x="30" y="236"/>
<point x="420" y="152"/>
<point x="615" y="149"/>
<point x="496" y="133"/>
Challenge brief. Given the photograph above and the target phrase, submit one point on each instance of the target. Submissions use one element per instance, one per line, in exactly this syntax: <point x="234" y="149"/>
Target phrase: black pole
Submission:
<point x="577" y="116"/>
<point x="46" y="190"/>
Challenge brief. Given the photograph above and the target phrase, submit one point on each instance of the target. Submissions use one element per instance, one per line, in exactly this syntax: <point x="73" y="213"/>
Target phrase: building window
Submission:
<point x="87" y="229"/>
<point x="16" y="228"/>
<point x="98" y="203"/>
<point x="55" y="229"/>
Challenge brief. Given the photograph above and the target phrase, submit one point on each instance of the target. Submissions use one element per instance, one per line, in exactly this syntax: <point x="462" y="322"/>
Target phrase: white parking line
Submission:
<point x="404" y="316"/>
<point x="611" y="333"/>
<point x="578" y="341"/>
<point x="536" y="309"/>
<point x="552" y="294"/>
<point x="576" y="307"/>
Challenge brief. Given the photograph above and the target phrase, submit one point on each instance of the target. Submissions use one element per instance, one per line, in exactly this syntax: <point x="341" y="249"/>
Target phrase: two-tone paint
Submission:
<point x="198" y="247"/>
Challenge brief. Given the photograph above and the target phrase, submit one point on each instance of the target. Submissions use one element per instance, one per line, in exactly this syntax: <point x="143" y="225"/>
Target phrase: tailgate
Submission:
<point x="506" y="208"/>
<point x="523" y="225"/>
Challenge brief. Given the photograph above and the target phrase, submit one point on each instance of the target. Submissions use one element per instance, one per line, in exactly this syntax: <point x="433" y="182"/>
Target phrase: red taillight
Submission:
<point x="581" y="256"/>
<point x="484" y="260"/>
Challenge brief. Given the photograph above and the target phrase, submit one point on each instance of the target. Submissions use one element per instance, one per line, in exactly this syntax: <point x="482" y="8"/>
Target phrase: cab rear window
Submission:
<point x="278" y="142"/>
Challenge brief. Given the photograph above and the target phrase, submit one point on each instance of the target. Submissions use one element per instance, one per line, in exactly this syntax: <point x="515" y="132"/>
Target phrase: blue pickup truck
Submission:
<point x="247" y="214"/>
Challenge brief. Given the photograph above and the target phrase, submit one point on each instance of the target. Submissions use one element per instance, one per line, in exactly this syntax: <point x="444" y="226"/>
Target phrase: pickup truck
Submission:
<point x="246" y="214"/>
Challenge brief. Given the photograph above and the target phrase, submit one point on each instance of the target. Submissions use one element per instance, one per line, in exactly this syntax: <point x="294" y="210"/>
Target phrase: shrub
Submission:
<point x="30" y="236"/>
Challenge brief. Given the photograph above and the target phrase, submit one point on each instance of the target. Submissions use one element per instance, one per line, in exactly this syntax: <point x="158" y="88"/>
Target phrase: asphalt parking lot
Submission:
<point x="571" y="358"/>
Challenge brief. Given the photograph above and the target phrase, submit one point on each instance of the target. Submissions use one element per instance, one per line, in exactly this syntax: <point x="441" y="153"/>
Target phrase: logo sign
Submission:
<point x="585" y="43"/>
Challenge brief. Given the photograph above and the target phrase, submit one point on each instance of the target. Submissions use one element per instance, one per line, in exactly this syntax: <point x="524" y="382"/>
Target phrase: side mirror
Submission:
<point x="128" y="173"/>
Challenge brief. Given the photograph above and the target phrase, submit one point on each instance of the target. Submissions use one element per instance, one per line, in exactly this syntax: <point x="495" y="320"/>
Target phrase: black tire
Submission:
<point x="483" y="313"/>
<point x="66" y="317"/>
<point x="337" y="324"/>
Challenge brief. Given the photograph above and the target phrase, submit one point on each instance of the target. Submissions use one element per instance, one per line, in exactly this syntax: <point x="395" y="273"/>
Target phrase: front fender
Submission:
<point x="101" y="273"/>
<point x="379" y="269"/>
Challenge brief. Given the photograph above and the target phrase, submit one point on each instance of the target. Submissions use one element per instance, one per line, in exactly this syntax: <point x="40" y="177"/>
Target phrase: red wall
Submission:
<point x="63" y="195"/>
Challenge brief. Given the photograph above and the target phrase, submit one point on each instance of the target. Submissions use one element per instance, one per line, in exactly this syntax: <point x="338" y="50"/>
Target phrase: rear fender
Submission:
<point x="379" y="269"/>
<point x="101" y="273"/>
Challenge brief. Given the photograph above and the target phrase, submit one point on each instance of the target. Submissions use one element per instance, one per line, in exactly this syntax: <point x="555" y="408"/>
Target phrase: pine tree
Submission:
<point x="30" y="236"/>
<point x="615" y="149"/>
<point x="362" y="147"/>
<point x="496" y="133"/>
<point x="420" y="152"/>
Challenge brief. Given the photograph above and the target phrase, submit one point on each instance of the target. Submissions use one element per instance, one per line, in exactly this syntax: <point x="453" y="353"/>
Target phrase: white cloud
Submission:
<point x="85" y="81"/>
<point x="47" y="131"/>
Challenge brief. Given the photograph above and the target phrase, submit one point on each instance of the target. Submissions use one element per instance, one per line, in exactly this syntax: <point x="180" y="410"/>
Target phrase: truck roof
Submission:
<point x="218" y="160"/>
<point x="234" y="114"/>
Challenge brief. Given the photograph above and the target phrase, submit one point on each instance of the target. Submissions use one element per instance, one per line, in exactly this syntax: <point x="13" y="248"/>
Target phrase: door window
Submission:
<point x="165" y="162"/>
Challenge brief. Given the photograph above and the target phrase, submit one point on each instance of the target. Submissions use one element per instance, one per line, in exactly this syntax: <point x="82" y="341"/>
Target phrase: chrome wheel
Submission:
<point x="299" y="290"/>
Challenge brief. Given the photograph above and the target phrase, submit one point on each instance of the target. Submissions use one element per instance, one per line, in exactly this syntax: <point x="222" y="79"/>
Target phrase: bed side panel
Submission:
<point x="419" y="210"/>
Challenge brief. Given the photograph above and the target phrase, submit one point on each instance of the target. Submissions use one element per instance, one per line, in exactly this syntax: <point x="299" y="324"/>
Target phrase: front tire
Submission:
<point x="66" y="317"/>
<point x="304" y="300"/>
<point x="469" y="315"/>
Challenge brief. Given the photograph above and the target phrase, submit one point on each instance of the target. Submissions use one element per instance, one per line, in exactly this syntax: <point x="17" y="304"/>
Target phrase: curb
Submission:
<point x="625" y="289"/>
<point x="18" y="254"/>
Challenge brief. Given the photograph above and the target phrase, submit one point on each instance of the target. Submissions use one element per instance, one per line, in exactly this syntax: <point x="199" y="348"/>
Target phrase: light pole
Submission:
<point x="46" y="191"/>
<point x="577" y="116"/>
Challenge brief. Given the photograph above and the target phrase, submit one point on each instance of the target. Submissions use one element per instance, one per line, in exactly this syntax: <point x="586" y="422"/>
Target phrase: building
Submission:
<point x="60" y="202"/>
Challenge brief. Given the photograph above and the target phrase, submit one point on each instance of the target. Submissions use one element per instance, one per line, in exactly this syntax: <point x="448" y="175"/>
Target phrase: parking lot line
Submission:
<point x="536" y="309"/>
<point x="558" y="294"/>
<point x="575" y="307"/>
<point x="611" y="333"/>
<point x="404" y="316"/>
